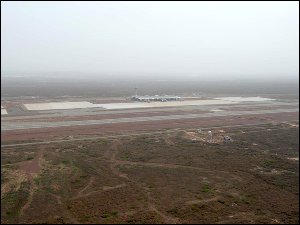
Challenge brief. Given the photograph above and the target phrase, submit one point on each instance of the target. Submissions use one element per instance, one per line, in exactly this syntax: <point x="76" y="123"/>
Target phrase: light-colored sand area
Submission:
<point x="216" y="101"/>
<point x="59" y="105"/>
<point x="216" y="110"/>
<point x="85" y="104"/>
<point x="165" y="104"/>
<point x="245" y="99"/>
<point x="77" y="105"/>
<point x="295" y="159"/>
<point x="3" y="112"/>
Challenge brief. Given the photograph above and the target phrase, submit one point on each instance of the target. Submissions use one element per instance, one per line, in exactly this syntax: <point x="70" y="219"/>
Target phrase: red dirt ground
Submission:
<point x="32" y="166"/>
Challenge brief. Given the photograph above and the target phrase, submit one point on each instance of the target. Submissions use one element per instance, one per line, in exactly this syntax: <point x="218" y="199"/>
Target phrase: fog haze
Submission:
<point x="204" y="40"/>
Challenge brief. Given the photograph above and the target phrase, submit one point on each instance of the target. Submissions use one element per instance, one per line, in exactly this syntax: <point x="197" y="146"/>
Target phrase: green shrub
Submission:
<point x="244" y="199"/>
<point x="206" y="189"/>
<point x="221" y="201"/>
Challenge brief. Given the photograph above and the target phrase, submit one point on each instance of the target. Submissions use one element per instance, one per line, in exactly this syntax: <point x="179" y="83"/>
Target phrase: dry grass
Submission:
<point x="158" y="179"/>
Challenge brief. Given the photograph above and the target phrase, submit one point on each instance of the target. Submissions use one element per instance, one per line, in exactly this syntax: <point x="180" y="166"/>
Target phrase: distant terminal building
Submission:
<point x="156" y="98"/>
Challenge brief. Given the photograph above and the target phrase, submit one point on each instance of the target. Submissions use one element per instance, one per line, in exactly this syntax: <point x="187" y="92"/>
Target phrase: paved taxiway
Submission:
<point x="14" y="125"/>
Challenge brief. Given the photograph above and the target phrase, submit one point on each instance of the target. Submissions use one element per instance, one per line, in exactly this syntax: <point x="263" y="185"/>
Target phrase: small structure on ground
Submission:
<point x="209" y="136"/>
<point x="156" y="98"/>
<point x="227" y="139"/>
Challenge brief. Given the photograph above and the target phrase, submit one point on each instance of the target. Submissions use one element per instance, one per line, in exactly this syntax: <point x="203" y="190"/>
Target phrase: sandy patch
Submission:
<point x="85" y="104"/>
<point x="216" y="110"/>
<point x="3" y="112"/>
<point x="59" y="105"/>
<point x="165" y="104"/>
<point x="294" y="159"/>
<point x="32" y="167"/>
<point x="245" y="99"/>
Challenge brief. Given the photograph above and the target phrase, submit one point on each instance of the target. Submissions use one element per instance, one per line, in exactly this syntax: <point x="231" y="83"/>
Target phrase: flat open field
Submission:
<point x="150" y="165"/>
<point x="174" y="176"/>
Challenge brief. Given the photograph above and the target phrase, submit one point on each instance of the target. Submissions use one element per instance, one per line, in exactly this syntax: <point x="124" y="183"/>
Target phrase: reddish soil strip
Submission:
<point x="10" y="104"/>
<point x="194" y="202"/>
<point x="90" y="183"/>
<point x="32" y="166"/>
<point x="119" y="128"/>
<point x="114" y="162"/>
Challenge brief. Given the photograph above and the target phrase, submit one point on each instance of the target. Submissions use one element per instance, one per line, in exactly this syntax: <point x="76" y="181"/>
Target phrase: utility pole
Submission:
<point x="135" y="92"/>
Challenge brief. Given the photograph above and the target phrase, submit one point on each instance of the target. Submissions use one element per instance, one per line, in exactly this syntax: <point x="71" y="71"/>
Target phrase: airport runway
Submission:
<point x="97" y="111"/>
<point x="13" y="125"/>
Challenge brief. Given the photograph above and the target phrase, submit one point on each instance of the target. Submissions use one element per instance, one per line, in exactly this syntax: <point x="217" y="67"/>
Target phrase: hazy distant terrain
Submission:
<point x="14" y="86"/>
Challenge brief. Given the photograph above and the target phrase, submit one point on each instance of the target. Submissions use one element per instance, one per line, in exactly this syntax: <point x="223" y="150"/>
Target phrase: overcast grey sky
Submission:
<point x="223" y="39"/>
